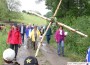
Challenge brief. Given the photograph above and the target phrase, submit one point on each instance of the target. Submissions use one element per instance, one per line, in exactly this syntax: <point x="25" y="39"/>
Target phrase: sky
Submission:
<point x="31" y="5"/>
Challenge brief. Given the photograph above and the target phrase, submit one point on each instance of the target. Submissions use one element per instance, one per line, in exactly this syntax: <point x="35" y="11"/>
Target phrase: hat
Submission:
<point x="31" y="61"/>
<point x="8" y="54"/>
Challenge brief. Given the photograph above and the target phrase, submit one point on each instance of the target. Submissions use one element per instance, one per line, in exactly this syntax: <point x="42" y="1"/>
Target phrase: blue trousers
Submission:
<point x="60" y="47"/>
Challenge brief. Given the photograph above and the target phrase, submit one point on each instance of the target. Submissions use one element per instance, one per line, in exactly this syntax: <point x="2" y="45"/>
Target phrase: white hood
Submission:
<point x="8" y="54"/>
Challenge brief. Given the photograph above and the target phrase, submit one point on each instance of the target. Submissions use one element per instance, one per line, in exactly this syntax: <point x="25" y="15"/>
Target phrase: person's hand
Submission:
<point x="19" y="45"/>
<point x="65" y="33"/>
<point x="56" y="41"/>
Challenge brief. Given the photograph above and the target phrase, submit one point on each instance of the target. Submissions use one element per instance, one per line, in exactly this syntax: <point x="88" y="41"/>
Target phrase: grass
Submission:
<point x="32" y="19"/>
<point x="3" y="44"/>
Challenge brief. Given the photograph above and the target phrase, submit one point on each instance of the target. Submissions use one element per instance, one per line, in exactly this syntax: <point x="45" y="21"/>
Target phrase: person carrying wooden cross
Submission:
<point x="59" y="37"/>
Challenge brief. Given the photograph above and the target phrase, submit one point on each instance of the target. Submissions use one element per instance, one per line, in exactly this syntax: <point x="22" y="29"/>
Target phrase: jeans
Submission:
<point x="14" y="47"/>
<point x="60" y="46"/>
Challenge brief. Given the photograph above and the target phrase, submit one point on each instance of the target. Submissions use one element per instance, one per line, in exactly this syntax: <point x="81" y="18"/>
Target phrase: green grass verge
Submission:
<point x="3" y="44"/>
<point x="28" y="18"/>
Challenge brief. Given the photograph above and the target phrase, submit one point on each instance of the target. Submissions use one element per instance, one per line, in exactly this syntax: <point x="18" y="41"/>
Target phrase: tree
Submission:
<point x="69" y="7"/>
<point x="13" y="5"/>
<point x="9" y="9"/>
<point x="48" y="14"/>
<point x="13" y="9"/>
<point x="3" y="9"/>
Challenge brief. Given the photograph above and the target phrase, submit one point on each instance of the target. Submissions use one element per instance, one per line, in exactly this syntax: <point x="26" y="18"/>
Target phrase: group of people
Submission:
<point x="16" y="37"/>
<point x="32" y="34"/>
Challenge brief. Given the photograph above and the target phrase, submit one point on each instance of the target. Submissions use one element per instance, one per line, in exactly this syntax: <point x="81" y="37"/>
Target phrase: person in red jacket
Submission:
<point x="14" y="38"/>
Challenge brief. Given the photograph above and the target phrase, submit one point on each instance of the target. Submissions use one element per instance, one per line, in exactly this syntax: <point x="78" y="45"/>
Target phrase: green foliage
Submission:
<point x="48" y="14"/>
<point x="3" y="9"/>
<point x="69" y="7"/>
<point x="74" y="43"/>
<point x="9" y="9"/>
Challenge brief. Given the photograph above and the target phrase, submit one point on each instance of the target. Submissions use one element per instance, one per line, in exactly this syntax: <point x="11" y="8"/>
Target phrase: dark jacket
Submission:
<point x="24" y="27"/>
<point x="49" y="32"/>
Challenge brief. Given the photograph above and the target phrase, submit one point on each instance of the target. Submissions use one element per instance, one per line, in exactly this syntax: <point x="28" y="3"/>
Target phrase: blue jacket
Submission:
<point x="88" y="55"/>
<point x="27" y="32"/>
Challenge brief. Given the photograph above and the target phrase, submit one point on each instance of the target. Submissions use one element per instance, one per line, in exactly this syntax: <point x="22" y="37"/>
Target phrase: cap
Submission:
<point x="31" y="61"/>
<point x="8" y="54"/>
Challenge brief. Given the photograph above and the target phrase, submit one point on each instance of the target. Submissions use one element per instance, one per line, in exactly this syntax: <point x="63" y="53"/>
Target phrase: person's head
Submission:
<point x="35" y="27"/>
<point x="61" y="27"/>
<point x="15" y="25"/>
<point x="8" y="55"/>
<point x="31" y="61"/>
<point x="27" y="26"/>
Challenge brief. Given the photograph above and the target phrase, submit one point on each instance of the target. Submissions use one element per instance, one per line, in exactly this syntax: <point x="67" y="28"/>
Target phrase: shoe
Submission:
<point x="16" y="63"/>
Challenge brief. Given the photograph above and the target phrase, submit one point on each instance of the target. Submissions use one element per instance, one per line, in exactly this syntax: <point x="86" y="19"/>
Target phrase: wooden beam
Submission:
<point x="69" y="28"/>
<point x="47" y="28"/>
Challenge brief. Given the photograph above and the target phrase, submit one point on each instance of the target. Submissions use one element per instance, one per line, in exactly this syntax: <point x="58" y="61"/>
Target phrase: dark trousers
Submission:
<point x="34" y="45"/>
<point x="22" y="35"/>
<point x="48" y="39"/>
<point x="14" y="47"/>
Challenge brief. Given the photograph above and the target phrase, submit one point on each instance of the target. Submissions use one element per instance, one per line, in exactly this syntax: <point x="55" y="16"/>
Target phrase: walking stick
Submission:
<point x="47" y="29"/>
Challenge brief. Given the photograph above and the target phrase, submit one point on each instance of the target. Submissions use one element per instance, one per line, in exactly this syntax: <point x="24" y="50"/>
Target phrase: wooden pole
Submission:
<point x="68" y="27"/>
<point x="57" y="8"/>
<point x="47" y="29"/>
<point x="42" y="40"/>
<point x="72" y="29"/>
<point x="41" y="16"/>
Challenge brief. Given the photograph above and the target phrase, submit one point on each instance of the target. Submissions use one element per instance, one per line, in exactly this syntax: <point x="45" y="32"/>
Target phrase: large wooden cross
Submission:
<point x="59" y="23"/>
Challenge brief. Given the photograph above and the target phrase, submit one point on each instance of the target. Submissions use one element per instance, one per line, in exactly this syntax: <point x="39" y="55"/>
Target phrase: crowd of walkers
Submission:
<point x="30" y="35"/>
<point x="23" y="35"/>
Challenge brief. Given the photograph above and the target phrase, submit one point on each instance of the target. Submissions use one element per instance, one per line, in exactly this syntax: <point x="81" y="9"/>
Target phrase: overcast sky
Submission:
<point x="31" y="5"/>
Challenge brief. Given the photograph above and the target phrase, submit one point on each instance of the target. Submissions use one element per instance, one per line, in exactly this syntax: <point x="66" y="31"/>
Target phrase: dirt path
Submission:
<point x="24" y="52"/>
<point x="50" y="53"/>
<point x="47" y="56"/>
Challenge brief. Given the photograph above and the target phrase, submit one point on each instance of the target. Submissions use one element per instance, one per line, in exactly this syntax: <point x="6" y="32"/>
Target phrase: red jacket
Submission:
<point x="14" y="37"/>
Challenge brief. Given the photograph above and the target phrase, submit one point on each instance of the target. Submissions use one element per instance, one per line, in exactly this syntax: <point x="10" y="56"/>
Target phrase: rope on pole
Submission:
<point x="47" y="29"/>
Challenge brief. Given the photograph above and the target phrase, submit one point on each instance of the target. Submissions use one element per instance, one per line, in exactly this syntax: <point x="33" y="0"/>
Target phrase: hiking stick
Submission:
<point x="47" y="29"/>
